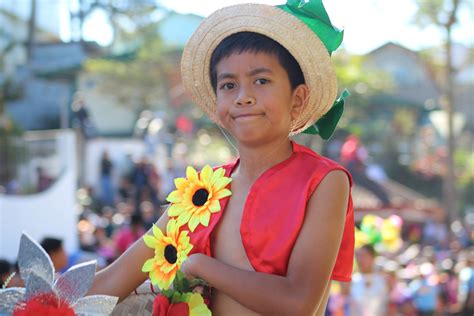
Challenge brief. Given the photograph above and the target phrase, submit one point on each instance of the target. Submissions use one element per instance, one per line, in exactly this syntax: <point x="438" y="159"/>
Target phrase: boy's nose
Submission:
<point x="244" y="99"/>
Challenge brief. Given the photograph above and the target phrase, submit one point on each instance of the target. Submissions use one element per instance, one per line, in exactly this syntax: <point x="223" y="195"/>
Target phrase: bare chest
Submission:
<point x="226" y="239"/>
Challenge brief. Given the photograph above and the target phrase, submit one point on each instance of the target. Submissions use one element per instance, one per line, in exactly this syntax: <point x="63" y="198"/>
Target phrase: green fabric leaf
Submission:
<point x="314" y="15"/>
<point x="326" y="125"/>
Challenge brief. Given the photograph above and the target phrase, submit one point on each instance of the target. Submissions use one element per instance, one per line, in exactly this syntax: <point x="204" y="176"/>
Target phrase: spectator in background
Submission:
<point x="128" y="234"/>
<point x="169" y="175"/>
<point x="466" y="286"/>
<point x="425" y="291"/>
<point x="54" y="248"/>
<point x="107" y="192"/>
<point x="353" y="157"/>
<point x="369" y="289"/>
<point x="149" y="214"/>
<point x="43" y="180"/>
<point x="81" y="118"/>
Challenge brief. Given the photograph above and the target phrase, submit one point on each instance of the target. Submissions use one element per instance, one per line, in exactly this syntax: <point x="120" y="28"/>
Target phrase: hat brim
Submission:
<point x="290" y="32"/>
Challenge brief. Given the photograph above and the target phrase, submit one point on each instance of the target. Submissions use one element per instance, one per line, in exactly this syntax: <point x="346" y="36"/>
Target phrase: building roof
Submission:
<point x="404" y="202"/>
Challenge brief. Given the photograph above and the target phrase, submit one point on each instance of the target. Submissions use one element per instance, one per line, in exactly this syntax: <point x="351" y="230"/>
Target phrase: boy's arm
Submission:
<point x="125" y="274"/>
<point x="310" y="265"/>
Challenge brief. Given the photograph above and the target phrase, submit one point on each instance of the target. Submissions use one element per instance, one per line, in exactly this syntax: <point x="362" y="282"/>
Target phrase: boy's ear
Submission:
<point x="300" y="100"/>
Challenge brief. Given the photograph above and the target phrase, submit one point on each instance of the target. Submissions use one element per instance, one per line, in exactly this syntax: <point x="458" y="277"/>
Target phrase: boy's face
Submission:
<point x="255" y="102"/>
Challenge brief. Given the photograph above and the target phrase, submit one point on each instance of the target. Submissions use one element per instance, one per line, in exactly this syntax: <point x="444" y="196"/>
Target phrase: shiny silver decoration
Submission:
<point x="37" y="271"/>
<point x="8" y="299"/>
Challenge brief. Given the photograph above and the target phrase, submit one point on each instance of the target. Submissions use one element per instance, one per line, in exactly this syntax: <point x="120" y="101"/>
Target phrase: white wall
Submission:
<point x="49" y="213"/>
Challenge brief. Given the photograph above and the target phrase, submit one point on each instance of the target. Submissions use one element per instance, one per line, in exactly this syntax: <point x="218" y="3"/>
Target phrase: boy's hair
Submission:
<point x="51" y="244"/>
<point x="256" y="43"/>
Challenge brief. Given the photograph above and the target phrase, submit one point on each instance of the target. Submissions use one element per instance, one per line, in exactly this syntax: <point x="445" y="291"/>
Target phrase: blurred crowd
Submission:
<point x="417" y="281"/>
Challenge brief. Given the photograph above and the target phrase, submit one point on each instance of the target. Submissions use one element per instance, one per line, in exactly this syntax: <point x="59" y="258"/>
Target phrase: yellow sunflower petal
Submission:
<point x="191" y="174"/>
<point x="175" y="197"/>
<point x="165" y="281"/>
<point x="181" y="183"/>
<point x="206" y="174"/>
<point x="184" y="218"/>
<point x="219" y="173"/>
<point x="171" y="227"/>
<point x="155" y="276"/>
<point x="204" y="219"/>
<point x="148" y="265"/>
<point x="157" y="232"/>
<point x="160" y="258"/>
<point x="221" y="183"/>
<point x="183" y="239"/>
<point x="193" y="222"/>
<point x="150" y="241"/>
<point x="168" y="267"/>
<point x="175" y="210"/>
<point x="222" y="194"/>
<point x="214" y="206"/>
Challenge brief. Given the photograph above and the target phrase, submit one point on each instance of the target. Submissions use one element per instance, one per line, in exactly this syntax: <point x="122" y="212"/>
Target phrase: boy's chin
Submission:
<point x="253" y="139"/>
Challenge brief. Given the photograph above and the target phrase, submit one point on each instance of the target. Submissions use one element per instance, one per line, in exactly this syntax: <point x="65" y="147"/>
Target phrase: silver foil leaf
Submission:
<point x="9" y="298"/>
<point x="95" y="305"/>
<point x="33" y="258"/>
<point x="36" y="285"/>
<point x="75" y="282"/>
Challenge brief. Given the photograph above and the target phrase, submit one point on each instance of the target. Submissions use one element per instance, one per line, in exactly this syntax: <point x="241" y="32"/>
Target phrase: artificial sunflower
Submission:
<point x="197" y="196"/>
<point x="196" y="305"/>
<point x="170" y="252"/>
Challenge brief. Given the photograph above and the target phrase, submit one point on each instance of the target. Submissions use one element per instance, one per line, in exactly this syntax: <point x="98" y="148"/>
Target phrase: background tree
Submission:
<point x="443" y="14"/>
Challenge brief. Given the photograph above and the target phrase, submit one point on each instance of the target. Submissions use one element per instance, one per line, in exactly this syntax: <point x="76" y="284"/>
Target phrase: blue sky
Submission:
<point x="368" y="24"/>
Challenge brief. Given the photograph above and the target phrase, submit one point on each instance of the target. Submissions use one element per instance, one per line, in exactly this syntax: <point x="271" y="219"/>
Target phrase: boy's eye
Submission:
<point x="227" y="86"/>
<point x="262" y="81"/>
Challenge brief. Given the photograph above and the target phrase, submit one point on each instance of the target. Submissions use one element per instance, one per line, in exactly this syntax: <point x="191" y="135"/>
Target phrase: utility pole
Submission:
<point x="449" y="188"/>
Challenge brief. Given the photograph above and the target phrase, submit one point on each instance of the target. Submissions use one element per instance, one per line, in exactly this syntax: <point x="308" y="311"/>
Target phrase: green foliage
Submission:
<point x="140" y="79"/>
<point x="362" y="85"/>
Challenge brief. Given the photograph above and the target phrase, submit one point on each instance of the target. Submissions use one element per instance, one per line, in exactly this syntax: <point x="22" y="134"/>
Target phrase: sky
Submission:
<point x="368" y="24"/>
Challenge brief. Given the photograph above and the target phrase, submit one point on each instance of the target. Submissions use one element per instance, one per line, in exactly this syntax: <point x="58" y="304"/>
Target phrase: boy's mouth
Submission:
<point x="247" y="116"/>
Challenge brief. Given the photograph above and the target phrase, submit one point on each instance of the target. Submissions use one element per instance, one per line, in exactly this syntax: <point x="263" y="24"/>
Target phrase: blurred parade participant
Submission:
<point x="353" y="157"/>
<point x="5" y="271"/>
<point x="369" y="289"/>
<point x="466" y="286"/>
<point x="44" y="180"/>
<point x="425" y="291"/>
<point x="107" y="192"/>
<point x="54" y="248"/>
<point x="128" y="234"/>
<point x="149" y="215"/>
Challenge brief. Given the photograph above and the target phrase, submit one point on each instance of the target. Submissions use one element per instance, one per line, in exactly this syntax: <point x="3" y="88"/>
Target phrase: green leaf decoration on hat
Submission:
<point x="314" y="15"/>
<point x="326" y="125"/>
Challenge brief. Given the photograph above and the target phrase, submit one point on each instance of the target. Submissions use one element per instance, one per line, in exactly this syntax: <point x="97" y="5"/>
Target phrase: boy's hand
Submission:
<point x="189" y="265"/>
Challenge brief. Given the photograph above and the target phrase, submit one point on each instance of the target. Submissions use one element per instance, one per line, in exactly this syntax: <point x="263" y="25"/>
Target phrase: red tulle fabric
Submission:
<point x="162" y="307"/>
<point x="44" y="305"/>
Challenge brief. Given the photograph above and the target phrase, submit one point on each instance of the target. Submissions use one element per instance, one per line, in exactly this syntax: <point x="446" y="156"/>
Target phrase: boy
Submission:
<point x="287" y="229"/>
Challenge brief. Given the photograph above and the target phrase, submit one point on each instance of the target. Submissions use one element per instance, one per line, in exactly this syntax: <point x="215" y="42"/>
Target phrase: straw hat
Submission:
<point x="280" y="24"/>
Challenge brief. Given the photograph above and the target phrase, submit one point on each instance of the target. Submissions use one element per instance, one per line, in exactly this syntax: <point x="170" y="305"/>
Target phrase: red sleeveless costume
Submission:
<point x="274" y="213"/>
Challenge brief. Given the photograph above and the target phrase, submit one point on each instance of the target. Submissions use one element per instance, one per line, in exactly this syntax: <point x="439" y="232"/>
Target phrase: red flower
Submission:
<point x="44" y="305"/>
<point x="178" y="309"/>
<point x="162" y="307"/>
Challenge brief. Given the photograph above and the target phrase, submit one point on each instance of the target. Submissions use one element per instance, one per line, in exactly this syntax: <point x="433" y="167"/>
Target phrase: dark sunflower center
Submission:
<point x="200" y="197"/>
<point x="171" y="254"/>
